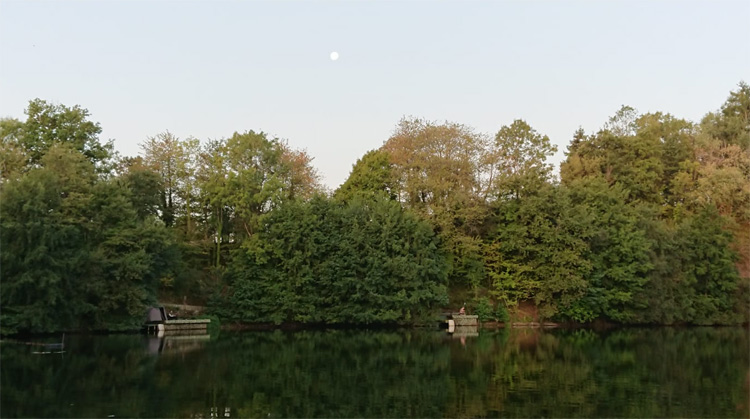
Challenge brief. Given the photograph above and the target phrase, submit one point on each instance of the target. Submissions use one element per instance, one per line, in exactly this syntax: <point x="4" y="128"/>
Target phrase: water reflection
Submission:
<point x="167" y="345"/>
<point x="519" y="373"/>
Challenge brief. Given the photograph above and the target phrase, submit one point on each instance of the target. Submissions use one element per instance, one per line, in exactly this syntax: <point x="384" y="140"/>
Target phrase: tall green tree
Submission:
<point x="538" y="250"/>
<point x="372" y="174"/>
<point x="629" y="152"/>
<point x="132" y="251"/>
<point x="77" y="253"/>
<point x="324" y="261"/>
<point x="437" y="167"/>
<point x="618" y="251"/>
<point x="708" y="264"/>
<point x="48" y="124"/>
<point x="81" y="246"/>
<point x="163" y="153"/>
<point x="517" y="161"/>
<point x="695" y="279"/>
<point x="241" y="178"/>
<point x="255" y="179"/>
<point x="45" y="253"/>
<point x="212" y="174"/>
<point x="13" y="156"/>
<point x="731" y="125"/>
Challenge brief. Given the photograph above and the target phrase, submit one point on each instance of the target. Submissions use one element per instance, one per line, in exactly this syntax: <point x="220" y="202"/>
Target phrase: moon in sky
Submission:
<point x="334" y="56"/>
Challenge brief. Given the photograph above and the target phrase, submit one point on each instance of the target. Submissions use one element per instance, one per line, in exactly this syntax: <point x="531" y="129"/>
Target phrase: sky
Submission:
<point x="208" y="69"/>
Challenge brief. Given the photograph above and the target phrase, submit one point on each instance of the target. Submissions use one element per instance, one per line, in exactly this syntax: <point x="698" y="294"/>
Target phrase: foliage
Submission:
<point x="687" y="190"/>
<point x="80" y="251"/>
<point x="483" y="309"/>
<point x="539" y="250"/>
<point x="650" y="223"/>
<point x="364" y="261"/>
<point x="437" y="169"/>
<point x="48" y="124"/>
<point x="501" y="313"/>
<point x="618" y="252"/>
<point x="517" y="161"/>
<point x="708" y="265"/>
<point x="371" y="175"/>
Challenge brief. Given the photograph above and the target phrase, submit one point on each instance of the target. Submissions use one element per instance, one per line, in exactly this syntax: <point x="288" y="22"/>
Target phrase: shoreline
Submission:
<point x="437" y="325"/>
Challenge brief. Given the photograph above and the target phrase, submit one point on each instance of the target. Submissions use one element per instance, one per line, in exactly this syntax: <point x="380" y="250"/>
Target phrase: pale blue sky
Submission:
<point x="209" y="68"/>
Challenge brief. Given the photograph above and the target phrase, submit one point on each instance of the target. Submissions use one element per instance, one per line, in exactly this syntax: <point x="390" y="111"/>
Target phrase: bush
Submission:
<point x="501" y="313"/>
<point x="484" y="309"/>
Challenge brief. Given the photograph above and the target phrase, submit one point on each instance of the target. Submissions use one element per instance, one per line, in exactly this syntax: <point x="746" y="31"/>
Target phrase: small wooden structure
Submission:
<point x="159" y="323"/>
<point x="189" y="327"/>
<point x="465" y="320"/>
<point x="462" y="321"/>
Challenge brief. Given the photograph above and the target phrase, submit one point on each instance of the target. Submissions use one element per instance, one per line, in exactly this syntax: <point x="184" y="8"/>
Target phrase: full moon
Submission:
<point x="334" y="56"/>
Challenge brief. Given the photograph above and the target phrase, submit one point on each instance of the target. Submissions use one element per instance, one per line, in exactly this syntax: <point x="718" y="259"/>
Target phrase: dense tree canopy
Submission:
<point x="518" y="161"/>
<point x="372" y="174"/>
<point x="538" y="250"/>
<point x="363" y="261"/>
<point x="648" y="223"/>
<point x="78" y="252"/>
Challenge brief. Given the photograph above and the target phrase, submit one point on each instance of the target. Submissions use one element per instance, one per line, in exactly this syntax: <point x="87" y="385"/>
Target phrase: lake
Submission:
<point x="656" y="372"/>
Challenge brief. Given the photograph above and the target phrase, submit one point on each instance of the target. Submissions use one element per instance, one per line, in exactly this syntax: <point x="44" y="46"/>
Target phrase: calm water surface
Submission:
<point x="518" y="373"/>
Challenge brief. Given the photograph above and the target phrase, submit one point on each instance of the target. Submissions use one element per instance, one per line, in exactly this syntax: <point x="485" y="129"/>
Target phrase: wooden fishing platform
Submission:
<point x="160" y="323"/>
<point x="192" y="326"/>
<point x="462" y="322"/>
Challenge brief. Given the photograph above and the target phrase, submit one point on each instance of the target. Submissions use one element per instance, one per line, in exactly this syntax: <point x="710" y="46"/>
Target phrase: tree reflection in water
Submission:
<point x="662" y="372"/>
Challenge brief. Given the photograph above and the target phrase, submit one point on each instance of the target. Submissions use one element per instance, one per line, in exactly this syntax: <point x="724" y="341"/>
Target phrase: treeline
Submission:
<point x="647" y="222"/>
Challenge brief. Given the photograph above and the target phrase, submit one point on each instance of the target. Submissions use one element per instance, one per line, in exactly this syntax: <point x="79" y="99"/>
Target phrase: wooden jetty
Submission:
<point x="465" y="320"/>
<point x="190" y="327"/>
<point x="462" y="322"/>
<point x="159" y="323"/>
